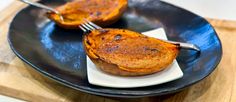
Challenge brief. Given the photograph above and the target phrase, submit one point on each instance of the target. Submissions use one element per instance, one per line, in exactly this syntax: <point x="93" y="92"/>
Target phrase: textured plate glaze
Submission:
<point x="59" y="54"/>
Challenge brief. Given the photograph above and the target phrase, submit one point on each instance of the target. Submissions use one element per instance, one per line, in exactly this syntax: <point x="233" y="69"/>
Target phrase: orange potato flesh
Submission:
<point x="101" y="12"/>
<point x="128" y="53"/>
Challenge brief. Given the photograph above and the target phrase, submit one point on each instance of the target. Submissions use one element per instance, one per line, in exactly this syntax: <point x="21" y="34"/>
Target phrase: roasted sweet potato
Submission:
<point x="127" y="53"/>
<point x="101" y="12"/>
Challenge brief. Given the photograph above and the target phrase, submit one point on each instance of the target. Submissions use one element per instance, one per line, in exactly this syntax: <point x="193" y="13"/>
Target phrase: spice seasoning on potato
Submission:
<point x="101" y="12"/>
<point x="128" y="53"/>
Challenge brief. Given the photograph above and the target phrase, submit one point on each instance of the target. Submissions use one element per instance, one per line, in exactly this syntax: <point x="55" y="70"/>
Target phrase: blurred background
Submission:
<point x="219" y="9"/>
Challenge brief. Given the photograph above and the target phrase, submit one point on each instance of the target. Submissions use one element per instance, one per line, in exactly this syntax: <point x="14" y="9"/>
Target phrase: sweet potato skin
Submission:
<point x="135" y="55"/>
<point x="101" y="12"/>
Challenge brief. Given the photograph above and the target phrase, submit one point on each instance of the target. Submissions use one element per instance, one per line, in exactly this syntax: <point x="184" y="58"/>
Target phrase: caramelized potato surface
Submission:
<point x="101" y="12"/>
<point x="127" y="53"/>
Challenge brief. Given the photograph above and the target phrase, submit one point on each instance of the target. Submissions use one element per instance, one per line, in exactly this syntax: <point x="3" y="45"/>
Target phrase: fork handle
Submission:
<point x="43" y="7"/>
<point x="185" y="45"/>
<point x="39" y="5"/>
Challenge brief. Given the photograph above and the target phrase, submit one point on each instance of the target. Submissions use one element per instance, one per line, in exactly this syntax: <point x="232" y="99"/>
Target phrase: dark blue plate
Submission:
<point x="58" y="53"/>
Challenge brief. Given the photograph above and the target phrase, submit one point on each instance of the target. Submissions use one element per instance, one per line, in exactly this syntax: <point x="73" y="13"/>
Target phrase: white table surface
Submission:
<point x="4" y="4"/>
<point x="218" y="9"/>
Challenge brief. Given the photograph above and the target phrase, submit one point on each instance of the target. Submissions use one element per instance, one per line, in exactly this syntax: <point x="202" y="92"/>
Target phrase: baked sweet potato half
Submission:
<point x="127" y="53"/>
<point x="101" y="12"/>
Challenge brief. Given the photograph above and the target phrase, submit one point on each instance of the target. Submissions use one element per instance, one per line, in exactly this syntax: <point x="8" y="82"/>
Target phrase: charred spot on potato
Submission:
<point x="103" y="31"/>
<point x="154" y="50"/>
<point x="117" y="37"/>
<point x="98" y="13"/>
<point x="88" y="43"/>
<point x="111" y="49"/>
<point x="150" y="49"/>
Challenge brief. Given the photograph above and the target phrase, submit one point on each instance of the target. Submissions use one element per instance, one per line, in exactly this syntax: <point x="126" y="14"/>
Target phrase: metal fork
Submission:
<point x="43" y="7"/>
<point x="89" y="26"/>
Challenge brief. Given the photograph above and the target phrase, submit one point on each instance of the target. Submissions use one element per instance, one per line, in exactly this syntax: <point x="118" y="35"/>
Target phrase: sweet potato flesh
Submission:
<point x="129" y="51"/>
<point x="103" y="12"/>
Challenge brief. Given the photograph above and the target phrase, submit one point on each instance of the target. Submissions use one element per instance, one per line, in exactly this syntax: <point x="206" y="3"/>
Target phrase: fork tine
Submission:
<point x="86" y="27"/>
<point x="93" y="24"/>
<point x="83" y="29"/>
<point x="96" y="26"/>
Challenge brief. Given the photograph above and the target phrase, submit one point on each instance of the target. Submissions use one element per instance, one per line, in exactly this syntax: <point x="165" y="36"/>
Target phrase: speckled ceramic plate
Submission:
<point x="59" y="54"/>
